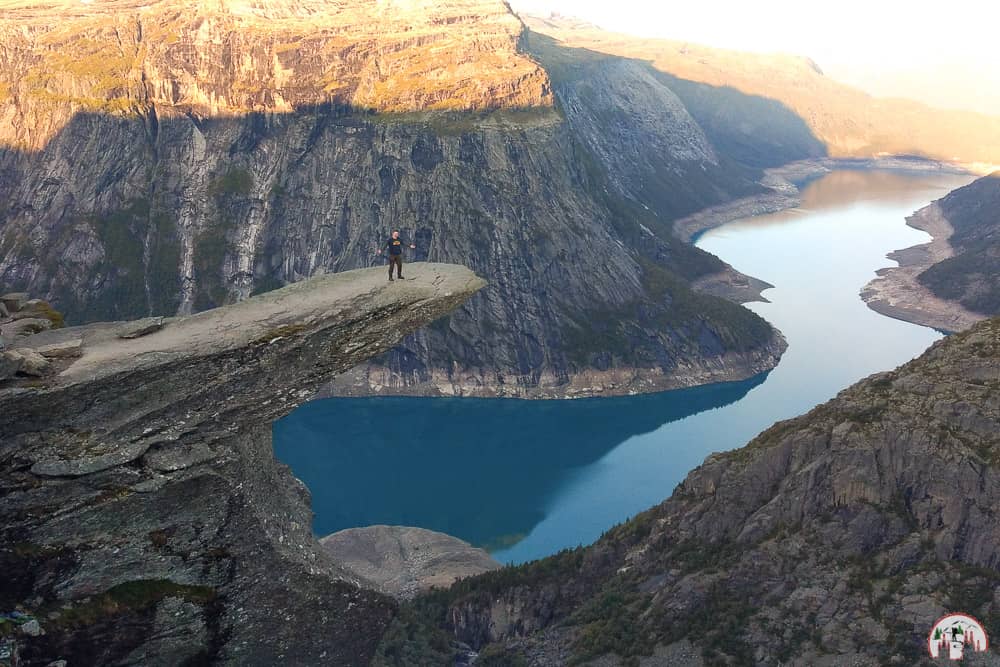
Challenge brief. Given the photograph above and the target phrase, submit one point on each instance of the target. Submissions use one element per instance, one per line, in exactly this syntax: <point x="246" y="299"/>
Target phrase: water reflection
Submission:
<point x="483" y="470"/>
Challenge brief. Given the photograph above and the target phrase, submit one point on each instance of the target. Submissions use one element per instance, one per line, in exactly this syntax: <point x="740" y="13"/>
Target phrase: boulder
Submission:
<point x="3" y="311"/>
<point x="142" y="327"/>
<point x="67" y="349"/>
<point x="10" y="364"/>
<point x="39" y="309"/>
<point x="32" y="628"/>
<point x="14" y="300"/>
<point x="25" y="327"/>
<point x="32" y="363"/>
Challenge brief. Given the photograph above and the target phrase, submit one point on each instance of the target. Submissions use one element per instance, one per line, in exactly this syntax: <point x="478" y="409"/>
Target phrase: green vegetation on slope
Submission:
<point x="213" y="244"/>
<point x="128" y="268"/>
<point x="688" y="569"/>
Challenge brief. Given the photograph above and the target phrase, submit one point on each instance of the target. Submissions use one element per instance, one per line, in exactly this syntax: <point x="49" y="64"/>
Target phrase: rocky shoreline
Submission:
<point x="897" y="293"/>
<point x="833" y="538"/>
<point x="377" y="380"/>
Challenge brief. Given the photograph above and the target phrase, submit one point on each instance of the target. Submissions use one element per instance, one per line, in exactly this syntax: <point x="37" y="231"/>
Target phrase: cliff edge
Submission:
<point x="145" y="519"/>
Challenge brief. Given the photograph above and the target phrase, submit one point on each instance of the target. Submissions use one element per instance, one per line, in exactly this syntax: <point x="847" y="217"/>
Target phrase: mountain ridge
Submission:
<point x="224" y="167"/>
<point x="846" y="121"/>
<point x="836" y="537"/>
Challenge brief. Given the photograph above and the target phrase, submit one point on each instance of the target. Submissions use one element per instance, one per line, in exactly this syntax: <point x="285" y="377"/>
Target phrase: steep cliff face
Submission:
<point x="126" y="57"/>
<point x="145" y="519"/>
<point x="838" y="537"/>
<point x="221" y="162"/>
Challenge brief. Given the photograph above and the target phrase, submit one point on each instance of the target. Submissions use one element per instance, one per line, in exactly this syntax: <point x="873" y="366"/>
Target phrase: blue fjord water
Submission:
<point x="527" y="478"/>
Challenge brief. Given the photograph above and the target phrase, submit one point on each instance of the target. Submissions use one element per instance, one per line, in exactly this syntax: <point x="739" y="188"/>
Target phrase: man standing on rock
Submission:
<point x="395" y="247"/>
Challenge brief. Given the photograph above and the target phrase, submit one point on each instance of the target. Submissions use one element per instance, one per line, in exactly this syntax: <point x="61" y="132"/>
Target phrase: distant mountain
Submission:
<point x="955" y="83"/>
<point x="838" y="537"/>
<point x="841" y="121"/>
<point x="972" y="276"/>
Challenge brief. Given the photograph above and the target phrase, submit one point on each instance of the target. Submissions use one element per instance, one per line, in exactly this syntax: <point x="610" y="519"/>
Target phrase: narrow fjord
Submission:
<point x="525" y="479"/>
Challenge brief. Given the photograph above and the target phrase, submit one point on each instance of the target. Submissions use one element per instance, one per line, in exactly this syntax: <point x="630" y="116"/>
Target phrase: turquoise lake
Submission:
<point x="525" y="479"/>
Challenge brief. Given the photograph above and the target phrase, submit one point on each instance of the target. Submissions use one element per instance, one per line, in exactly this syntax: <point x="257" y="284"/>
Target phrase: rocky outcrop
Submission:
<point x="22" y="316"/>
<point x="403" y="561"/>
<point x="838" y="537"/>
<point x="145" y="519"/>
<point x="953" y="281"/>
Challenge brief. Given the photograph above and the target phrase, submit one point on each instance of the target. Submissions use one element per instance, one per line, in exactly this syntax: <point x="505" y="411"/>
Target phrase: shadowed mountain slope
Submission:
<point x="843" y="121"/>
<point x="838" y="537"/>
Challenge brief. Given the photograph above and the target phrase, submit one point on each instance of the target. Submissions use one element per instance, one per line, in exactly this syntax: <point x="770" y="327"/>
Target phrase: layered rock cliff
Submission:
<point x="145" y="519"/>
<point x="838" y="537"/>
<point x="161" y="159"/>
<point x="953" y="281"/>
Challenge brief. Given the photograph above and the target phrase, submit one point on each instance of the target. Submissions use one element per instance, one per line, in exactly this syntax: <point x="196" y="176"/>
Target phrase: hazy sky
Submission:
<point x="943" y="52"/>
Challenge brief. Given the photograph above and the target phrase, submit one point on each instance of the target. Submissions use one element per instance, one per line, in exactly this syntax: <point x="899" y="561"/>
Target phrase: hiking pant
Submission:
<point x="397" y="261"/>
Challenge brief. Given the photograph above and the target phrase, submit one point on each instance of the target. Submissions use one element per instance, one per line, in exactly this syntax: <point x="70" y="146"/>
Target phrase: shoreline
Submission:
<point x="897" y="293"/>
<point x="784" y="182"/>
<point x="377" y="380"/>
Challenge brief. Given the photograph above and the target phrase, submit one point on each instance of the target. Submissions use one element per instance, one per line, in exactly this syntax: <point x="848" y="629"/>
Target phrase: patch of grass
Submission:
<point x="264" y="284"/>
<point x="738" y="328"/>
<point x="496" y="655"/>
<point x="413" y="638"/>
<point x="211" y="246"/>
<point x="122" y="235"/>
<point x="561" y="566"/>
<point x="163" y="270"/>
<point x="131" y="596"/>
<point x="284" y="331"/>
<point x="235" y="181"/>
<point x="634" y="529"/>
<point x="630" y="332"/>
<point x="698" y="556"/>
<point x="611" y="622"/>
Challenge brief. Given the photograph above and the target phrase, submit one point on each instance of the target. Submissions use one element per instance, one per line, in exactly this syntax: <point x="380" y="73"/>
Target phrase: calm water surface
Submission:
<point x="527" y="478"/>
